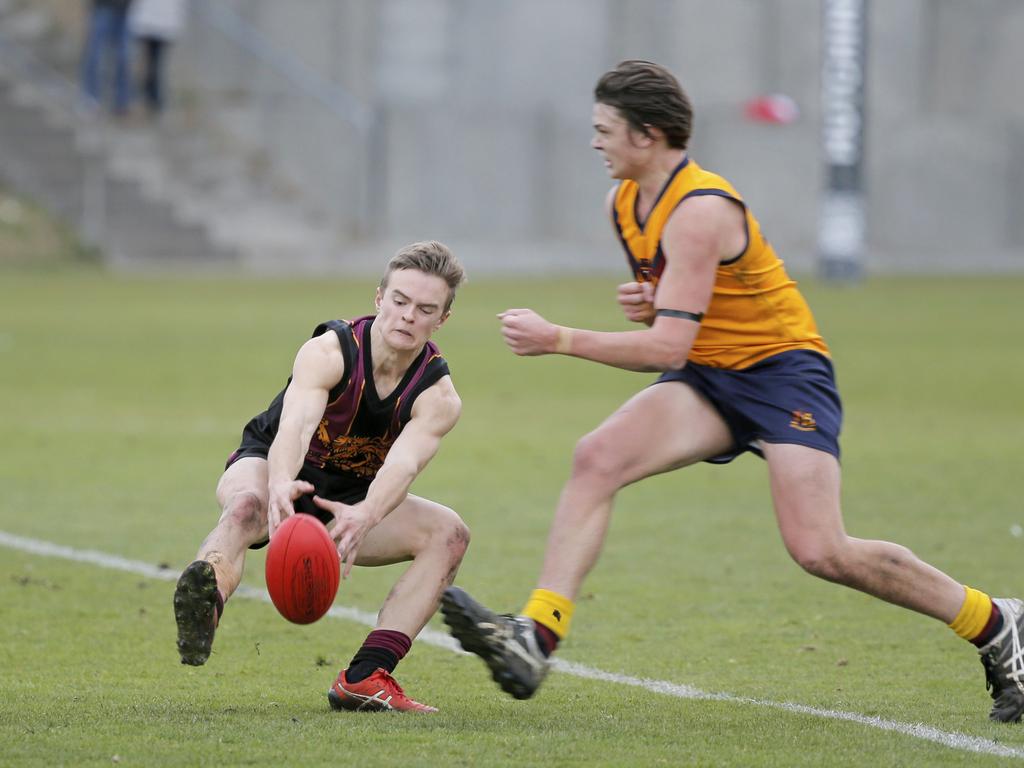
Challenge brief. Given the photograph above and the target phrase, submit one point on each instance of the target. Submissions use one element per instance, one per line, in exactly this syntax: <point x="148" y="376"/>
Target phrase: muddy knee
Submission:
<point x="454" y="532"/>
<point x="447" y="532"/>
<point x="456" y="540"/>
<point x="246" y="512"/>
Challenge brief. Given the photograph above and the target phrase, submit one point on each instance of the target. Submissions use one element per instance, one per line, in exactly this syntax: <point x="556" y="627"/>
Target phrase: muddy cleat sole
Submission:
<point x="507" y="644"/>
<point x="195" y="610"/>
<point x="1003" y="659"/>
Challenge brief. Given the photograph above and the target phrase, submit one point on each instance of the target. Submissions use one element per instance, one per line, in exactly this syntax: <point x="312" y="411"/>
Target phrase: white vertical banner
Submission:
<point x="841" y="217"/>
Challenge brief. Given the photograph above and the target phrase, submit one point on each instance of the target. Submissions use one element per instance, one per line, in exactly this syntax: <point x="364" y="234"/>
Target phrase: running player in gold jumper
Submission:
<point x="743" y="368"/>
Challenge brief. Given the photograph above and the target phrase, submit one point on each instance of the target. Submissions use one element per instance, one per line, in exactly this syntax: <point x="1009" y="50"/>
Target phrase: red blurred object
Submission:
<point x="303" y="570"/>
<point x="775" y="108"/>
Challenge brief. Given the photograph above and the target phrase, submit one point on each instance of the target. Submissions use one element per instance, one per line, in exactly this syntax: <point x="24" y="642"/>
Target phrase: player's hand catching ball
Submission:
<point x="351" y="524"/>
<point x="280" y="504"/>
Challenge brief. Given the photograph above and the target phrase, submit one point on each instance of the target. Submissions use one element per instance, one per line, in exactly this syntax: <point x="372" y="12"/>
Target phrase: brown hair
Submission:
<point x="648" y="96"/>
<point x="432" y="258"/>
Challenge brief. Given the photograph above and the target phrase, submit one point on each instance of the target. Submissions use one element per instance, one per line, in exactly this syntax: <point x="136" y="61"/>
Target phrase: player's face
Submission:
<point x="411" y="307"/>
<point x="623" y="149"/>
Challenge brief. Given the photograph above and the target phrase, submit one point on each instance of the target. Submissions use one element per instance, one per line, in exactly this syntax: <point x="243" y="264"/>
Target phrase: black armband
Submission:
<point x="695" y="316"/>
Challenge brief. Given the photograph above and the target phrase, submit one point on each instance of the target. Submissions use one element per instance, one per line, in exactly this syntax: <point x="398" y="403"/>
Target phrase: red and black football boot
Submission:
<point x="377" y="693"/>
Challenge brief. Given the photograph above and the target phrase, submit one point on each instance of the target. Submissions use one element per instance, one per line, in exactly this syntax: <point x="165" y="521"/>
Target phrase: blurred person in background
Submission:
<point x="743" y="368"/>
<point x="156" y="24"/>
<point x="106" y="55"/>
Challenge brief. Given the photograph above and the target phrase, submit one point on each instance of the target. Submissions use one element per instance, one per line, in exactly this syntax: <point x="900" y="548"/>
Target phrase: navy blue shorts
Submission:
<point x="790" y="397"/>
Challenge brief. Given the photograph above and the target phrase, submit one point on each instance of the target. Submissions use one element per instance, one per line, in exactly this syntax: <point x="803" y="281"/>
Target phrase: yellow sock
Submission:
<point x="550" y="609"/>
<point x="974" y="614"/>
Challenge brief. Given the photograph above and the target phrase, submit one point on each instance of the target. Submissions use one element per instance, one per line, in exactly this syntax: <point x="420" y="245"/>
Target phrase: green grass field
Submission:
<point x="122" y="397"/>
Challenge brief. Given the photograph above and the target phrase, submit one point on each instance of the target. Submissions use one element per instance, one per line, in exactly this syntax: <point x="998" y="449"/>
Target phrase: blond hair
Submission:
<point x="432" y="258"/>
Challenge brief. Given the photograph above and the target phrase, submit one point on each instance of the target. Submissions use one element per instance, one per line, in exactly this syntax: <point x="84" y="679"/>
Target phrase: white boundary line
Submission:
<point x="951" y="739"/>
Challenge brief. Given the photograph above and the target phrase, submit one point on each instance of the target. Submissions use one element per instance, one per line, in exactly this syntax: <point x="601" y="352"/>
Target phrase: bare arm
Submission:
<point x="433" y="415"/>
<point x="319" y="365"/>
<point x="698" y="235"/>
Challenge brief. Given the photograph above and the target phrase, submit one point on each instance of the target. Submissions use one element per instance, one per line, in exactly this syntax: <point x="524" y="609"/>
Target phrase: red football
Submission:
<point x="302" y="569"/>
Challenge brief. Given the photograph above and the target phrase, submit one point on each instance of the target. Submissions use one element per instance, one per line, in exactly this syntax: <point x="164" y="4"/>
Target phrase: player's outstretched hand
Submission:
<point x="527" y="333"/>
<point x="281" y="497"/>
<point x="637" y="302"/>
<point x="351" y="523"/>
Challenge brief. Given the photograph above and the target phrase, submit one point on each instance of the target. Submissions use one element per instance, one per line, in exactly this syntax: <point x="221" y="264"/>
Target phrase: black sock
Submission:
<point x="369" y="660"/>
<point x="382" y="649"/>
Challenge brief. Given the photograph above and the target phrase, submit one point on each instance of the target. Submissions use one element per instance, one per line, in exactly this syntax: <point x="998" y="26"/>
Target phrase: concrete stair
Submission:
<point x="68" y="165"/>
<point x="146" y="194"/>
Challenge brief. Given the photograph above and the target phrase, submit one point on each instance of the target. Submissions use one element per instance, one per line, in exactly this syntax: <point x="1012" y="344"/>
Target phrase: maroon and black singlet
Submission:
<point x="358" y="427"/>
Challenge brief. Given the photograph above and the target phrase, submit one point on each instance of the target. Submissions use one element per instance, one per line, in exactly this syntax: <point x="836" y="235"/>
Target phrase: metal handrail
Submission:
<point x="61" y="92"/>
<point x="257" y="51"/>
<point x="336" y="99"/>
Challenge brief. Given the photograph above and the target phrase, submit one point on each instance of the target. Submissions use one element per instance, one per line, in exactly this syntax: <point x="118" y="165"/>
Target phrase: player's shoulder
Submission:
<point x="322" y="357"/>
<point x="705" y="213"/>
<point x="327" y="342"/>
<point x="440" y="401"/>
<point x="704" y="224"/>
<point x="706" y="193"/>
<point x="443" y="392"/>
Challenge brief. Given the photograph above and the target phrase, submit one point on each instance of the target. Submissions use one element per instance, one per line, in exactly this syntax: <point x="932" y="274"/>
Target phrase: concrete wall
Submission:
<point x="481" y="110"/>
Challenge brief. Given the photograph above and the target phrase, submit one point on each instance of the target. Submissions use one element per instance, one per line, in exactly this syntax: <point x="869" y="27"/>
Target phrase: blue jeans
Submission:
<point x="107" y="39"/>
